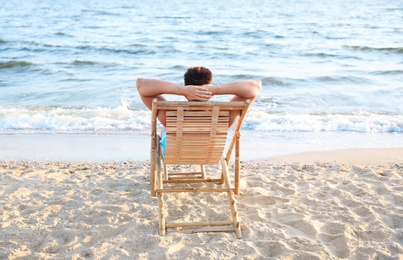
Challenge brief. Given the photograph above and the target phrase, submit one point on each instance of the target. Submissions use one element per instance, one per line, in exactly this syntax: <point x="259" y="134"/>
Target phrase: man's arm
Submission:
<point x="242" y="90"/>
<point x="154" y="88"/>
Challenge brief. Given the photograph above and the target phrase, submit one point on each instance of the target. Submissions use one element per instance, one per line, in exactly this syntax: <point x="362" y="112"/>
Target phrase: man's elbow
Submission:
<point x="139" y="83"/>
<point x="256" y="85"/>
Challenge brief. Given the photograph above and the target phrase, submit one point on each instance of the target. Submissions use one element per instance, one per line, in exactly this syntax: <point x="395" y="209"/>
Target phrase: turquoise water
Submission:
<point x="327" y="67"/>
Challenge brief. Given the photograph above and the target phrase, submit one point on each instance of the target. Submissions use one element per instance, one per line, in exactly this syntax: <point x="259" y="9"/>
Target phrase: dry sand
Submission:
<point x="327" y="205"/>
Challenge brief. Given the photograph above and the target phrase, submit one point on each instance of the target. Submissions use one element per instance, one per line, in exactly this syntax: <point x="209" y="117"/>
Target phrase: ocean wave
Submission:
<point x="342" y="79"/>
<point x="131" y="51"/>
<point x="82" y="62"/>
<point x="276" y="81"/>
<point x="361" y="123"/>
<point x="14" y="64"/>
<point x="387" y="72"/>
<point x="175" y="17"/>
<point x="321" y="55"/>
<point x="368" y="48"/>
<point x="70" y="49"/>
<point x="73" y="120"/>
<point x="63" y="34"/>
<point x="123" y="119"/>
<point x="284" y="81"/>
<point x="272" y="81"/>
<point x="86" y="63"/>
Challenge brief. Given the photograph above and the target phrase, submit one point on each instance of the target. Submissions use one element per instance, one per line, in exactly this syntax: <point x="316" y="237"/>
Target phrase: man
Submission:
<point x="198" y="87"/>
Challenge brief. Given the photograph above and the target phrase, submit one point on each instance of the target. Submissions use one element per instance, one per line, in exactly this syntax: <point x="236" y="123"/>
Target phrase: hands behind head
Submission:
<point x="198" y="93"/>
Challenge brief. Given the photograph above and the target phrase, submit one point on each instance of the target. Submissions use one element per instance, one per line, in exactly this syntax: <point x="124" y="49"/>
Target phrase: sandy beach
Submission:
<point x="344" y="204"/>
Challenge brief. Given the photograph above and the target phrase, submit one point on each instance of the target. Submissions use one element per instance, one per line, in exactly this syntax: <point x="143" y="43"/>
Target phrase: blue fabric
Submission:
<point x="163" y="143"/>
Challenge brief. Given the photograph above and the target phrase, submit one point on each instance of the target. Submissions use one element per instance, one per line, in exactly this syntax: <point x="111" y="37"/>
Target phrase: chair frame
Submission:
<point x="160" y="185"/>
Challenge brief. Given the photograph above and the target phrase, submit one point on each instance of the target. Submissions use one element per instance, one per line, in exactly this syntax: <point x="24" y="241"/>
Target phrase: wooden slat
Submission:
<point x="194" y="160"/>
<point x="214" y="129"/>
<point x="195" y="152"/>
<point x="195" y="130"/>
<point x="175" y="190"/>
<point x="179" y="127"/>
<point x="205" y="118"/>
<point x="197" y="113"/>
<point x="197" y="126"/>
<point x="197" y="149"/>
<point x="188" y="142"/>
<point x="199" y="224"/>
<point x="203" y="141"/>
<point x="193" y="181"/>
<point x="169" y="105"/>
<point x="203" y="230"/>
<point x="199" y="137"/>
<point x="212" y="161"/>
<point x="184" y="173"/>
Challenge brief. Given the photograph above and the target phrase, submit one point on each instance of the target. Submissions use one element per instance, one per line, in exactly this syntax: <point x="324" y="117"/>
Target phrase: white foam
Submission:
<point x="122" y="118"/>
<point x="74" y="120"/>
<point x="363" y="123"/>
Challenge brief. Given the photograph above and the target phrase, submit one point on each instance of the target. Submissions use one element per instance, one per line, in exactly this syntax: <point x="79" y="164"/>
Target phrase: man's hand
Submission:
<point x="197" y="93"/>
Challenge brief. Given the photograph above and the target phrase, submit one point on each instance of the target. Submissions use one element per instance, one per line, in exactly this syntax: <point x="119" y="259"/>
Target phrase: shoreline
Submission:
<point x="99" y="148"/>
<point x="357" y="156"/>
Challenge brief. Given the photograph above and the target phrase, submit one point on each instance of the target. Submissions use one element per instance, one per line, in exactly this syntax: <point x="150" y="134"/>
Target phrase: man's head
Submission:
<point x="198" y="76"/>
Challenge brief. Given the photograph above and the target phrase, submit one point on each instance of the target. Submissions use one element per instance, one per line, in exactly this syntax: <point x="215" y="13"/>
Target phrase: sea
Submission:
<point x="332" y="70"/>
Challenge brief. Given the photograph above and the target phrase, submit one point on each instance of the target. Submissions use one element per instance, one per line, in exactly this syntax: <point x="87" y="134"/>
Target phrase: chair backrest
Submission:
<point x="196" y="132"/>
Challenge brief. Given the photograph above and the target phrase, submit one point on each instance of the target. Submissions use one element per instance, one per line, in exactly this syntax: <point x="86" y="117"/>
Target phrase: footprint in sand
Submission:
<point x="394" y="221"/>
<point x="296" y="221"/>
<point x="364" y="212"/>
<point x="282" y="190"/>
<point x="350" y="202"/>
<point x="271" y="249"/>
<point x="333" y="236"/>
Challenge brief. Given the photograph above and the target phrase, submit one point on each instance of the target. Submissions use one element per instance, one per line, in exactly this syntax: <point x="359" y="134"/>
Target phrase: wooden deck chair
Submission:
<point x="196" y="134"/>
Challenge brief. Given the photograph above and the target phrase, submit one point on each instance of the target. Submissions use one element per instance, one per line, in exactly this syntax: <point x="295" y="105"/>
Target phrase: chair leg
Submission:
<point x="153" y="163"/>
<point x="237" y="164"/>
<point x="159" y="157"/>
<point x="153" y="177"/>
<point x="234" y="210"/>
<point x="222" y="171"/>
<point x="162" y="227"/>
<point x="203" y="171"/>
<point x="231" y="199"/>
<point x="160" y="183"/>
<point x="166" y="172"/>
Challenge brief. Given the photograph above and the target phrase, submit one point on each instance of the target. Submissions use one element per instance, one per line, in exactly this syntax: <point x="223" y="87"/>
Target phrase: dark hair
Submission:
<point x="198" y="76"/>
